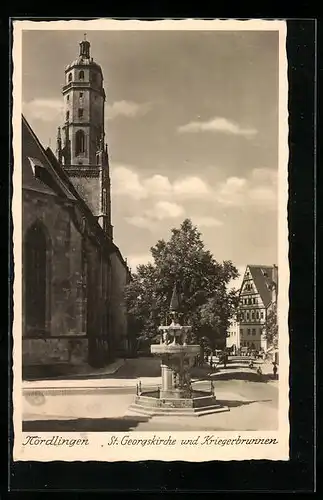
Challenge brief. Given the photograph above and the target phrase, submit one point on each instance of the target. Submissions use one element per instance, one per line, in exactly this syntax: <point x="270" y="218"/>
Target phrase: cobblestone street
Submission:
<point x="101" y="402"/>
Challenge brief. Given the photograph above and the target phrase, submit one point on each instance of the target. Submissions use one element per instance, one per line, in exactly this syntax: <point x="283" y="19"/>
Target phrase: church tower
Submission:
<point x="81" y="146"/>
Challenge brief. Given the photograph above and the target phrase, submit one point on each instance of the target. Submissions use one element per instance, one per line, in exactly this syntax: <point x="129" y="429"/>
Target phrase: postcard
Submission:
<point x="150" y="190"/>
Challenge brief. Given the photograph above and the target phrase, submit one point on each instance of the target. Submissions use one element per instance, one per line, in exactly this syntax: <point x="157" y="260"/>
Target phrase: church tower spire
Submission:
<point x="83" y="154"/>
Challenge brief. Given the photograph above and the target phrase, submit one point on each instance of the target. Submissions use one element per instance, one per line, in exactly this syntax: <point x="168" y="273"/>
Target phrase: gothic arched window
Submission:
<point x="70" y="77"/>
<point x="79" y="142"/>
<point x="36" y="271"/>
<point x="81" y="75"/>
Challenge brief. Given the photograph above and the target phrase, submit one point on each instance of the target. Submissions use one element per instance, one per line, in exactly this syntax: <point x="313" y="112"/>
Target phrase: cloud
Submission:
<point x="191" y="186"/>
<point x="206" y="221"/>
<point x="216" y="125"/>
<point x="159" y="199"/>
<point x="160" y="211"/>
<point x="158" y="185"/>
<point x="166" y="210"/>
<point x="259" y="189"/>
<point x="128" y="183"/>
<point x="128" y="109"/>
<point x="231" y="191"/>
<point x="46" y="110"/>
<point x="50" y="110"/>
<point x="141" y="221"/>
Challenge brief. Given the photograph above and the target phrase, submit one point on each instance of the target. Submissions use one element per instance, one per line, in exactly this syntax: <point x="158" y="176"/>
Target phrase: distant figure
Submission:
<point x="251" y="364"/>
<point x="259" y="370"/>
<point x="275" y="368"/>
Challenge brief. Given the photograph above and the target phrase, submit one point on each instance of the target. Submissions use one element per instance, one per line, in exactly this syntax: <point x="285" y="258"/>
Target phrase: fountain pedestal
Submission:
<point x="175" y="396"/>
<point x="176" y="362"/>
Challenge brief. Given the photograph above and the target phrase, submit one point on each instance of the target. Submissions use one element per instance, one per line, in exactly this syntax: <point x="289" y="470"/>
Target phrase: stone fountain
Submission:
<point x="176" y="395"/>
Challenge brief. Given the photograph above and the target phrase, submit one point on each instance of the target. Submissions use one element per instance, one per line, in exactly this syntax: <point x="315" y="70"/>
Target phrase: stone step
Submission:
<point x="151" y="403"/>
<point x="185" y="412"/>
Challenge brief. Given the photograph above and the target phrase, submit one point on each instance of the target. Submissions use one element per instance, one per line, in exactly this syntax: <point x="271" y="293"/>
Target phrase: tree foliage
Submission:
<point x="205" y="301"/>
<point x="272" y="328"/>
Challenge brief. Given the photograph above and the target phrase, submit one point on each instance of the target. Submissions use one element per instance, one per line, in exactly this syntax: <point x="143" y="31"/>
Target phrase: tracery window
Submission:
<point x="79" y="142"/>
<point x="36" y="277"/>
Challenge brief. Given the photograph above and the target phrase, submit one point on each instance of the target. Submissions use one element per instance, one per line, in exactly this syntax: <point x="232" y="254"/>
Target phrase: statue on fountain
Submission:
<point x="174" y="334"/>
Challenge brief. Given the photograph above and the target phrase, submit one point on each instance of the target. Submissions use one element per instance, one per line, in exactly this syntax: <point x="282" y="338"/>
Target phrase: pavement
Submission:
<point x="97" y="404"/>
<point x="128" y="373"/>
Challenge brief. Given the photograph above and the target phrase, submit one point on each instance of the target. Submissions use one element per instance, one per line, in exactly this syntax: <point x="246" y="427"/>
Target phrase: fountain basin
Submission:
<point x="199" y="403"/>
<point x="187" y="350"/>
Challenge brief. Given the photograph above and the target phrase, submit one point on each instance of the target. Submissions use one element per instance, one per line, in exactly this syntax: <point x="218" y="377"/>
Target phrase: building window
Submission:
<point x="67" y="115"/>
<point x="253" y="331"/>
<point x="262" y="315"/>
<point x="81" y="94"/>
<point x="248" y="331"/>
<point x="249" y="301"/>
<point x="257" y="314"/>
<point x="79" y="142"/>
<point x="68" y="98"/>
<point x="247" y="315"/>
<point x="36" y="278"/>
<point x="81" y="75"/>
<point x="70" y="77"/>
<point x="80" y="113"/>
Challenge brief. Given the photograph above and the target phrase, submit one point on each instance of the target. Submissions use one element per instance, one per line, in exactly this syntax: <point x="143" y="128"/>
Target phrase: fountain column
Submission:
<point x="167" y="376"/>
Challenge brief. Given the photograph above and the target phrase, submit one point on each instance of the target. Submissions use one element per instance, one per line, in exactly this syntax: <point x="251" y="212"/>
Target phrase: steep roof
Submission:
<point x="57" y="180"/>
<point x="37" y="171"/>
<point x="263" y="279"/>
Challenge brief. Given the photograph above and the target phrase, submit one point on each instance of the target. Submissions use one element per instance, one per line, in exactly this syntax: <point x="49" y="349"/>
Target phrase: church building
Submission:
<point x="73" y="274"/>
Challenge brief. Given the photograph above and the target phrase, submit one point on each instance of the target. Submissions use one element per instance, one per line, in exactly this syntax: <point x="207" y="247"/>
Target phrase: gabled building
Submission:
<point x="257" y="296"/>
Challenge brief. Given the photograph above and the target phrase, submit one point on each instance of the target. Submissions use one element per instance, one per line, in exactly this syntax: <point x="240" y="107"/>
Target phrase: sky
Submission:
<point x="192" y="130"/>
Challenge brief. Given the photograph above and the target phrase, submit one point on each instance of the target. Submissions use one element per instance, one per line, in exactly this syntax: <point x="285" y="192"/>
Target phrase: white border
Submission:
<point x="98" y="448"/>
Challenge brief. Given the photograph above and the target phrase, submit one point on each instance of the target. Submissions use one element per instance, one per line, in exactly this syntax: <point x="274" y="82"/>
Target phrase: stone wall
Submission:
<point x="89" y="188"/>
<point x="54" y="350"/>
<point x="118" y="306"/>
<point x="77" y="315"/>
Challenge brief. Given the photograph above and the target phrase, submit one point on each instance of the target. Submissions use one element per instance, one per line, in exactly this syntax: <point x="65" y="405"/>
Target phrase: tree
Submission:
<point x="205" y="302"/>
<point x="272" y="328"/>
